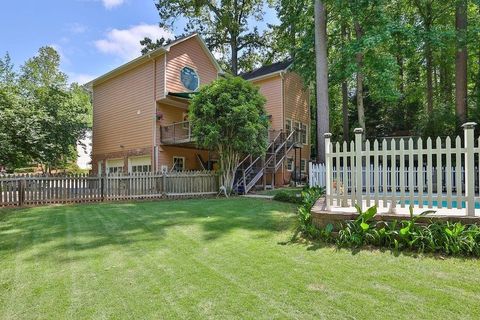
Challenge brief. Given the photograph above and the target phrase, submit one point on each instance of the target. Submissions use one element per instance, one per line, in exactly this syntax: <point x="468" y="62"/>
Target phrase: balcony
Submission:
<point x="176" y="133"/>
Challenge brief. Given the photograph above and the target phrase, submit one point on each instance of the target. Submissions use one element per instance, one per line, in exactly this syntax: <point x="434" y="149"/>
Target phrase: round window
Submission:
<point x="189" y="78"/>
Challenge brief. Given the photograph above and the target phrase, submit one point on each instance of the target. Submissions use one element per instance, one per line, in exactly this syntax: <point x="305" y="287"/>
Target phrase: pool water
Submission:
<point x="444" y="204"/>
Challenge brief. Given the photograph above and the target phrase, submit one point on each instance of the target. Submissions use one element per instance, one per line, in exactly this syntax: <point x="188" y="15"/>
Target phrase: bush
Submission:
<point x="284" y="196"/>
<point x="305" y="222"/>
<point x="435" y="237"/>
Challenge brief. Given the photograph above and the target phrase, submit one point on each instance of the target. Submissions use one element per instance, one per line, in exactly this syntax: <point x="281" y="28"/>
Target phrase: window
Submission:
<point x="140" y="164"/>
<point x="303" y="165"/>
<point x="178" y="163"/>
<point x="289" y="164"/>
<point x="303" y="134"/>
<point x="288" y="125"/>
<point x="114" y="166"/>
<point x="142" y="168"/>
<point x="115" y="170"/>
<point x="298" y="128"/>
<point x="189" y="78"/>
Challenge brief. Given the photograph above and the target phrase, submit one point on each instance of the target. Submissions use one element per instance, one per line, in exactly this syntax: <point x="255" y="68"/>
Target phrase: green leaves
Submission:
<point x="228" y="116"/>
<point x="42" y="118"/>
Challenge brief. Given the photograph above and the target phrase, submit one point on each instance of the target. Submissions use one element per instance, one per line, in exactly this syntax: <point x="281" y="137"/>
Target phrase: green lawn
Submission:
<point x="197" y="259"/>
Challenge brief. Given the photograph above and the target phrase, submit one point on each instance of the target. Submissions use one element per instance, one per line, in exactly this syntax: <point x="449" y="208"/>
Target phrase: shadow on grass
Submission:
<point x="313" y="245"/>
<point x="52" y="231"/>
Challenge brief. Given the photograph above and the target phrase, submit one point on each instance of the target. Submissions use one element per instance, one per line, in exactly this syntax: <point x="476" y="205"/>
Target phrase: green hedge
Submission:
<point x="441" y="237"/>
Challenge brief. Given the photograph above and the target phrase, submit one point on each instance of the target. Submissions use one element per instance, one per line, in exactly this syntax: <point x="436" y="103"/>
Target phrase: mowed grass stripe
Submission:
<point x="210" y="259"/>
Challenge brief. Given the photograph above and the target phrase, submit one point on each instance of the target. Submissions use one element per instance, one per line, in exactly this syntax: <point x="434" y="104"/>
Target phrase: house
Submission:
<point x="140" y="111"/>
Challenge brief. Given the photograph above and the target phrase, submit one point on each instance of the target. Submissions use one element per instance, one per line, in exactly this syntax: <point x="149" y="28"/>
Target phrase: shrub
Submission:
<point x="284" y="196"/>
<point x="305" y="223"/>
<point x="434" y="237"/>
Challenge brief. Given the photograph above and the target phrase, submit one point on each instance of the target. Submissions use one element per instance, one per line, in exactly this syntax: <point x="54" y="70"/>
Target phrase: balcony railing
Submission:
<point x="176" y="133"/>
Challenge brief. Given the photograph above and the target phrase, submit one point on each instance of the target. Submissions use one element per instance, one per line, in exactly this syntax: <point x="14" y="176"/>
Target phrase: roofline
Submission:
<point x="271" y="74"/>
<point x="268" y="75"/>
<point x="151" y="55"/>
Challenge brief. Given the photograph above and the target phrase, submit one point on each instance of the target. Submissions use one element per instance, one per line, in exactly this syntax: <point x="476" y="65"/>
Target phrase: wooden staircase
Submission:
<point x="251" y="169"/>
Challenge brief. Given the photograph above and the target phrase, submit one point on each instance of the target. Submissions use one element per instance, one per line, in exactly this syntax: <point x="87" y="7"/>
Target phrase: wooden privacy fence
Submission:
<point x="404" y="172"/>
<point x="48" y="189"/>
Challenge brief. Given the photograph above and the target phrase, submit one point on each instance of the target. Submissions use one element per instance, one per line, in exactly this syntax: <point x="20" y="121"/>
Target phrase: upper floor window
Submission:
<point x="189" y="78"/>
<point x="288" y="125"/>
<point x="303" y="134"/>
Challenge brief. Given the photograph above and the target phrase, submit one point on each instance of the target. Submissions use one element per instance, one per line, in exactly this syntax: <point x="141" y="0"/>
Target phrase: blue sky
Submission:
<point x="92" y="36"/>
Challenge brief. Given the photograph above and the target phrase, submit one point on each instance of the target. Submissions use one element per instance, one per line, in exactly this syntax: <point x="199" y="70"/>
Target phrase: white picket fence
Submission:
<point x="401" y="172"/>
<point x="316" y="175"/>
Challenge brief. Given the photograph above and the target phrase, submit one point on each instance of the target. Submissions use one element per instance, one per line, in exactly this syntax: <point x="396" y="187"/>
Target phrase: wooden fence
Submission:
<point x="48" y="189"/>
<point x="403" y="173"/>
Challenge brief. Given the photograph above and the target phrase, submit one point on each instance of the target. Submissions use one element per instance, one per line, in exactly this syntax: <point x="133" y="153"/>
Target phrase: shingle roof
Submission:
<point x="265" y="70"/>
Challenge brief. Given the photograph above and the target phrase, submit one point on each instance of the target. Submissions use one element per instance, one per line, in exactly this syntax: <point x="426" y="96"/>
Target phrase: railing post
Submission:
<point x="468" y="129"/>
<point x="328" y="171"/>
<point x="358" y="166"/>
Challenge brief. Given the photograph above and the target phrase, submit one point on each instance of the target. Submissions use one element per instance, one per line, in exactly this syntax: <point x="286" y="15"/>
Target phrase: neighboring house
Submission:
<point x="140" y="110"/>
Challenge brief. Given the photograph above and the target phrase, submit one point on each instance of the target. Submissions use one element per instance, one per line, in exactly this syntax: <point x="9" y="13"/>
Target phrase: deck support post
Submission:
<point x="469" y="141"/>
<point x="358" y="166"/>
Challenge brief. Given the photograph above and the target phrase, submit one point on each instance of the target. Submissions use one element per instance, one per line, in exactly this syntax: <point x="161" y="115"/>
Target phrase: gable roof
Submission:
<point x="151" y="55"/>
<point x="267" y="70"/>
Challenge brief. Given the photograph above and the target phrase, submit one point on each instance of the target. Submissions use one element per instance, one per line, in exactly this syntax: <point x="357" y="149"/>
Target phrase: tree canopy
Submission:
<point x="43" y="118"/>
<point x="226" y="26"/>
<point x="228" y="116"/>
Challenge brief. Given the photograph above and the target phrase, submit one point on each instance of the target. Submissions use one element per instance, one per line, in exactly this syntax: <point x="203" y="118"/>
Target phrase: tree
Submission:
<point x="461" y="58"/>
<point x="321" y="63"/>
<point x="222" y="23"/>
<point x="42" y="117"/>
<point x="228" y="116"/>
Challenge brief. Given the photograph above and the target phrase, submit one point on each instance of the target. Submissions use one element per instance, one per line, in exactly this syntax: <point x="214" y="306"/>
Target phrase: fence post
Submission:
<point x="310" y="174"/>
<point x="328" y="170"/>
<point x="21" y="192"/>
<point x="102" y="188"/>
<point x="468" y="129"/>
<point x="358" y="166"/>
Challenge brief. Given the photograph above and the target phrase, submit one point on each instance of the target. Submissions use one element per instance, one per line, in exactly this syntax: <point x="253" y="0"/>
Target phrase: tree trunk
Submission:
<point x="321" y="68"/>
<point x="461" y="58"/>
<point x="359" y="60"/>
<point x="346" y="125"/>
<point x="429" y="58"/>
<point x="234" y="54"/>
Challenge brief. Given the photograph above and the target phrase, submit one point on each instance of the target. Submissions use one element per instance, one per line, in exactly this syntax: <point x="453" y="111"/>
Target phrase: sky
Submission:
<point x="92" y="36"/>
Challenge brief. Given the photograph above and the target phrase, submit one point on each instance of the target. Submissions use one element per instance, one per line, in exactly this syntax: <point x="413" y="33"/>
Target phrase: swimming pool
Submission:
<point x="443" y="203"/>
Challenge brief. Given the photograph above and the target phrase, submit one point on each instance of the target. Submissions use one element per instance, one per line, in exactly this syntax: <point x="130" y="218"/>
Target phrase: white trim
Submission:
<point x="291" y="123"/>
<point x="165" y="91"/>
<point x="178" y="157"/>
<point x="196" y="72"/>
<point x="292" y="162"/>
<point x="306" y="133"/>
<point x="125" y="67"/>
<point x="153" y="54"/>
<point x="148" y="161"/>
<point x="300" y="166"/>
<point x="266" y="76"/>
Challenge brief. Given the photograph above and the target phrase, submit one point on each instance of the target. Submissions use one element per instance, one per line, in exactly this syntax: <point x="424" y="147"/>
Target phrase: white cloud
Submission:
<point x="77" y="28"/>
<point x="125" y="43"/>
<point x="110" y="4"/>
<point x="80" y="78"/>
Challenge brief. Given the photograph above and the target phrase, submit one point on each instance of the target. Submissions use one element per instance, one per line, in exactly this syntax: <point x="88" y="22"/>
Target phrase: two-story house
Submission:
<point x="140" y="111"/>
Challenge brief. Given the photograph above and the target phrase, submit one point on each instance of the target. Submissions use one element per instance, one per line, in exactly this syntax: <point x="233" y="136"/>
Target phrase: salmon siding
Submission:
<point x="135" y="104"/>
